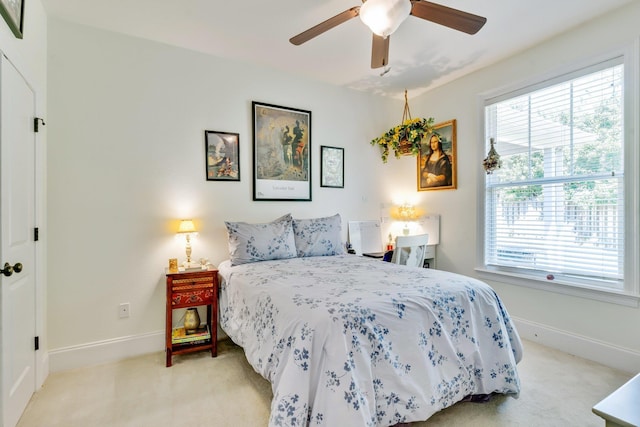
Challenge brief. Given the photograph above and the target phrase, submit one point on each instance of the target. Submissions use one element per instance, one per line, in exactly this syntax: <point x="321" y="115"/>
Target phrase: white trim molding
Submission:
<point x="113" y="350"/>
<point x="106" y="351"/>
<point x="597" y="294"/>
<point x="601" y="352"/>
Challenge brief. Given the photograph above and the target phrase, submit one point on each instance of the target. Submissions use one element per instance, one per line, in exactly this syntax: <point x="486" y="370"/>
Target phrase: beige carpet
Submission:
<point x="557" y="390"/>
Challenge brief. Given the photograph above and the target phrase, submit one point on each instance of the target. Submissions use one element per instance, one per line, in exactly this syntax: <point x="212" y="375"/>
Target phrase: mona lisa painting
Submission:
<point x="437" y="158"/>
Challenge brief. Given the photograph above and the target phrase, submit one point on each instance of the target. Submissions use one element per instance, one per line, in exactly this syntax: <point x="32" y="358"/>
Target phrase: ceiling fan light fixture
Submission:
<point x="383" y="17"/>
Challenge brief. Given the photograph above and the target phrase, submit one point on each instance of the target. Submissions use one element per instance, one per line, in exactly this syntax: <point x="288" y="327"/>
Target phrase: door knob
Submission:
<point x="8" y="269"/>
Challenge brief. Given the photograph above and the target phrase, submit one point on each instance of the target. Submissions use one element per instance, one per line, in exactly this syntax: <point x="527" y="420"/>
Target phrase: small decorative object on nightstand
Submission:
<point x="190" y="289"/>
<point x="390" y="243"/>
<point x="191" y="320"/>
<point x="173" y="265"/>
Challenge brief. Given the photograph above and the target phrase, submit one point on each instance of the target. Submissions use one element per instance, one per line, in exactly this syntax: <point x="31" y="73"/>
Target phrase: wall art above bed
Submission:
<point x="331" y="167"/>
<point x="281" y="153"/>
<point x="223" y="155"/>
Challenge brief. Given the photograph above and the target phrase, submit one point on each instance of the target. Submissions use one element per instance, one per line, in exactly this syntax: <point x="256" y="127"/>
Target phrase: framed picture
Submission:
<point x="281" y="153"/>
<point x="437" y="159"/>
<point x="223" y="155"/>
<point x="331" y="167"/>
<point x="13" y="12"/>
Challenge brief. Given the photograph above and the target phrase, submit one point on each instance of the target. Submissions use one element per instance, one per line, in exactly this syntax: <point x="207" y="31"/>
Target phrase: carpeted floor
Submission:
<point x="557" y="390"/>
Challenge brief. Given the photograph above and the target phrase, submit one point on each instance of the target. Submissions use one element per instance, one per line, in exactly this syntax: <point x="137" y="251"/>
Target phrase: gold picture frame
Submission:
<point x="437" y="165"/>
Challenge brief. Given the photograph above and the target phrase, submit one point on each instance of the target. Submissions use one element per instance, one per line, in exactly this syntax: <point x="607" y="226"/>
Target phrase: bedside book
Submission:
<point x="193" y="267"/>
<point x="180" y="336"/>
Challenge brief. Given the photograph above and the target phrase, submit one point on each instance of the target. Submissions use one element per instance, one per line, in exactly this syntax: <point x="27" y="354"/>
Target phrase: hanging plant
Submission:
<point x="406" y="138"/>
<point x="492" y="161"/>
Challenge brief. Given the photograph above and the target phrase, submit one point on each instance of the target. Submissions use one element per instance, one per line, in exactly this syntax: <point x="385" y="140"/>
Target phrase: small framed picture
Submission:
<point x="222" y="155"/>
<point x="331" y="167"/>
<point x="281" y="153"/>
<point x="437" y="159"/>
<point x="13" y="12"/>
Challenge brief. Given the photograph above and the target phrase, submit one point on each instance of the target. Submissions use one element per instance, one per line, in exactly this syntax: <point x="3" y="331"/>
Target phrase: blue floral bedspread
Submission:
<point x="354" y="341"/>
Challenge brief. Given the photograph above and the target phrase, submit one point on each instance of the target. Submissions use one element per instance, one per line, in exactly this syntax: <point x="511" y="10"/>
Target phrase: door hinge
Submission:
<point x="36" y="121"/>
<point x="36" y="343"/>
<point x="35" y="234"/>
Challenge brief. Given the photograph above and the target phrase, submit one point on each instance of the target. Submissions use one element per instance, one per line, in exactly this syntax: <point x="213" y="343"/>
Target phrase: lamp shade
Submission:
<point x="186" y="226"/>
<point x="405" y="212"/>
<point x="383" y="17"/>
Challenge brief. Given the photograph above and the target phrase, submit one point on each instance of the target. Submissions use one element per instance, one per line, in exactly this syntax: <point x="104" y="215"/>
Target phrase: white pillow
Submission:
<point x="318" y="236"/>
<point x="260" y="242"/>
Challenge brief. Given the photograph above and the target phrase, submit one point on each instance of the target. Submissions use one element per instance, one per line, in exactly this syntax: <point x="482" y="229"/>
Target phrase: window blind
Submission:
<point x="556" y="207"/>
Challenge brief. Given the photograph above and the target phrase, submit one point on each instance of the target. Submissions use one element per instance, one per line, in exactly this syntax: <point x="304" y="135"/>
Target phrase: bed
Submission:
<point x="355" y="341"/>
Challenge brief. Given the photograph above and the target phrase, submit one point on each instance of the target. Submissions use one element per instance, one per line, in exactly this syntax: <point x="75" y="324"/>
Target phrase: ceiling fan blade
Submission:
<point x="324" y="26"/>
<point x="443" y="15"/>
<point x="379" y="51"/>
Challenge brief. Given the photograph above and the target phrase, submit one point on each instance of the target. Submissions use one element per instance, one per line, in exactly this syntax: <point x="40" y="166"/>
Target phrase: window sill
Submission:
<point x="605" y="295"/>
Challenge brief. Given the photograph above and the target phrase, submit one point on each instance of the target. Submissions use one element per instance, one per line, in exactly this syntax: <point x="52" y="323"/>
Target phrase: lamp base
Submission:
<point x="191" y="266"/>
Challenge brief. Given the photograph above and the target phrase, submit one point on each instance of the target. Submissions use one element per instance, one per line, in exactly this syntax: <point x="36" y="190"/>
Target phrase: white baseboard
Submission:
<point x="99" y="352"/>
<point x="112" y="350"/>
<point x="604" y="353"/>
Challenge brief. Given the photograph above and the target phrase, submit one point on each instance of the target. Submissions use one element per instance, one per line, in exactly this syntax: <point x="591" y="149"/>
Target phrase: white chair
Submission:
<point x="410" y="250"/>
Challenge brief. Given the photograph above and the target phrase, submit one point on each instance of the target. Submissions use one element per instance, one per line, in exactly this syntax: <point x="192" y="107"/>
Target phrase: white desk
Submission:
<point x="622" y="407"/>
<point x="429" y="256"/>
<point x="365" y="238"/>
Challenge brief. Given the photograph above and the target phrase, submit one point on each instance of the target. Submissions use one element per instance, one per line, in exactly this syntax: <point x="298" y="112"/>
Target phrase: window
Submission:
<point x="555" y="211"/>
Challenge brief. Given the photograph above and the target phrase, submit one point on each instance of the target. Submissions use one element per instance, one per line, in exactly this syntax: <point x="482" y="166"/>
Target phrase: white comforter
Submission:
<point x="353" y="341"/>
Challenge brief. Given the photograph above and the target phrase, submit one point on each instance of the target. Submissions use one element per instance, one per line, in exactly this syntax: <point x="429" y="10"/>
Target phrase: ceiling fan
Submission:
<point x="383" y="17"/>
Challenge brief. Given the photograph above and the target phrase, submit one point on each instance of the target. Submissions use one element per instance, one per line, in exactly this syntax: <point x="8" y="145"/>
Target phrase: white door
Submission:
<point x="17" y="291"/>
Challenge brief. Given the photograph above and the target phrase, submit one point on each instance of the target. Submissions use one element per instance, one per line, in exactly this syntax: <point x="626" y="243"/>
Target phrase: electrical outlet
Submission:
<point x="123" y="310"/>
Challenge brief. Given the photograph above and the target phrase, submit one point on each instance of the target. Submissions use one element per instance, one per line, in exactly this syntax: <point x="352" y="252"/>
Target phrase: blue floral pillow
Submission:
<point x="318" y="236"/>
<point x="261" y="242"/>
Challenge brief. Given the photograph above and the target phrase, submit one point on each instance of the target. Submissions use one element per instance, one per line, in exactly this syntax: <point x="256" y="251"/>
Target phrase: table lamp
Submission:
<point x="406" y="213"/>
<point x="187" y="228"/>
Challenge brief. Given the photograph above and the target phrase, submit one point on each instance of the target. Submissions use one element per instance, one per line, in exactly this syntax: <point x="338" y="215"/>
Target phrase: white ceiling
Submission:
<point x="422" y="54"/>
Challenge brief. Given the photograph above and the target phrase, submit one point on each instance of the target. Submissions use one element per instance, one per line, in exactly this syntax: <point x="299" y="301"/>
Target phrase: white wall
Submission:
<point x="593" y="329"/>
<point x="126" y="162"/>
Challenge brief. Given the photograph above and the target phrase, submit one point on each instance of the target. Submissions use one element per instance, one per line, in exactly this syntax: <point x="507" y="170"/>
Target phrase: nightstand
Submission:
<point x="191" y="289"/>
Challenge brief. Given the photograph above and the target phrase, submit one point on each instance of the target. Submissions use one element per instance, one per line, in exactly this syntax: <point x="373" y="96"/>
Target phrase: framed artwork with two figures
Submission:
<point x="437" y="160"/>
<point x="281" y="153"/>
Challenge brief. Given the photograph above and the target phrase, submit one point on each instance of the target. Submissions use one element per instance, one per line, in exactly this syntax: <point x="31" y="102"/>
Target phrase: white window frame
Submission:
<point x="630" y="294"/>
